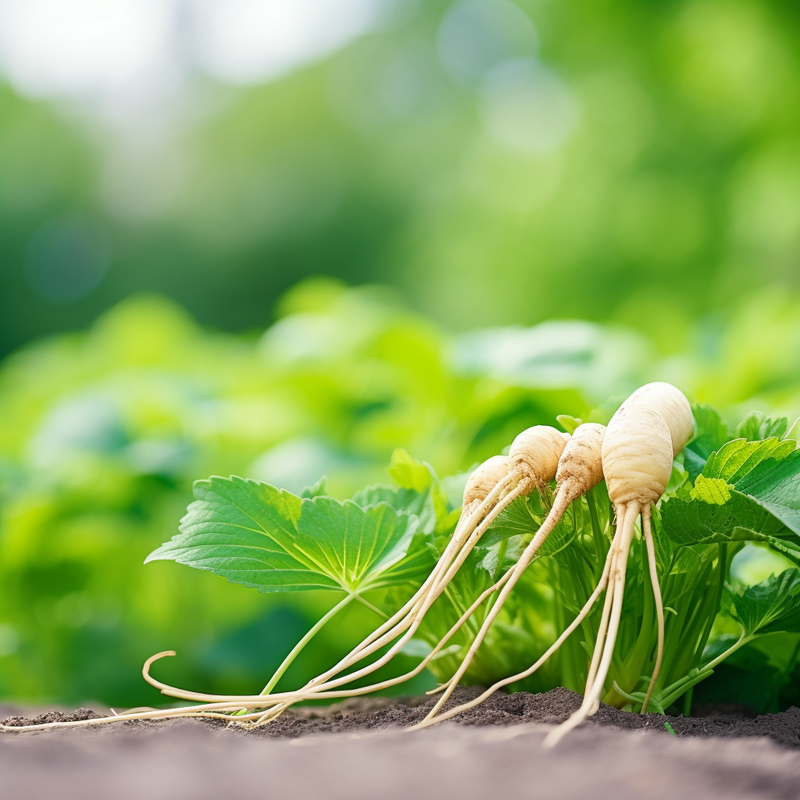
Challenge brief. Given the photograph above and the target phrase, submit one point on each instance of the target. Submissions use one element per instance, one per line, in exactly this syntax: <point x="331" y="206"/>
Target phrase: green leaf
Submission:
<point x="319" y="489"/>
<point x="492" y="563"/>
<point x="756" y="426"/>
<point x="517" y="519"/>
<point x="738" y="458"/>
<point x="770" y="606"/>
<point x="712" y="430"/>
<point x="711" y="490"/>
<point x="360" y="548"/>
<point x="410" y="501"/>
<point x="430" y="505"/>
<point x="409" y="473"/>
<point x="775" y="485"/>
<point x="254" y="534"/>
<point x="246" y="532"/>
<point x="717" y="514"/>
<point x="694" y="463"/>
<point x="568" y="423"/>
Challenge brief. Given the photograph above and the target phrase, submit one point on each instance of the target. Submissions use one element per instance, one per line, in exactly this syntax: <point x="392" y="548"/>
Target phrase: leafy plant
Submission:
<point x="378" y="547"/>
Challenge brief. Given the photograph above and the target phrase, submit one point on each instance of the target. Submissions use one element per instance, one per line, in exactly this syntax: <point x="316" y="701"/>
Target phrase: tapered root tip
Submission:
<point x="157" y="657"/>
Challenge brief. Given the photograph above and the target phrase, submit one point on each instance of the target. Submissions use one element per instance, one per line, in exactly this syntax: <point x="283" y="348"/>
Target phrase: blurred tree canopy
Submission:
<point x="496" y="162"/>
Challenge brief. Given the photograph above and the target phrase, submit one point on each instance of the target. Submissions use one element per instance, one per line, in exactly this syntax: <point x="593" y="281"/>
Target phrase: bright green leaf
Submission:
<point x="568" y="423"/>
<point x="736" y="459"/>
<point x="355" y="546"/>
<point x="701" y="520"/>
<point x="711" y="490"/>
<point x="254" y="534"/>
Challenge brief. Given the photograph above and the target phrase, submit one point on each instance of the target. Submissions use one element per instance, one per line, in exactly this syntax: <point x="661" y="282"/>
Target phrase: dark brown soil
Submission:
<point x="494" y="748"/>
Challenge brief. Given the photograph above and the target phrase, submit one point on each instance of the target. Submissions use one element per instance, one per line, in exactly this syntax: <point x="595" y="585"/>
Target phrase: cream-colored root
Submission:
<point x="601" y="585"/>
<point x="222" y="706"/>
<point x="602" y="629"/>
<point x="617" y="586"/>
<point x="651" y="558"/>
<point x="579" y="470"/>
<point x="671" y="405"/>
<point x="562" y="501"/>
<point x="529" y="474"/>
<point x="275" y="712"/>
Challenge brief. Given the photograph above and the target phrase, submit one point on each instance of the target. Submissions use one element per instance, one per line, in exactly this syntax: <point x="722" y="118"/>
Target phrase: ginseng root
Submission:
<point x="649" y="430"/>
<point x="579" y="470"/>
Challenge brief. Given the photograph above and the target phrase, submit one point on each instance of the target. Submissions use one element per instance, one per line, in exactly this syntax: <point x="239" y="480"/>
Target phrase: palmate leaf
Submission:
<point x="748" y="491"/>
<point x="254" y="534"/>
<point x="770" y="606"/>
<point x="715" y="514"/>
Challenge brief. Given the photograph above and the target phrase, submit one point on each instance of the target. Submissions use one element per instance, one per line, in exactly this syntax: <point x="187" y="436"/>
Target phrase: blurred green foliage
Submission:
<point x="630" y="162"/>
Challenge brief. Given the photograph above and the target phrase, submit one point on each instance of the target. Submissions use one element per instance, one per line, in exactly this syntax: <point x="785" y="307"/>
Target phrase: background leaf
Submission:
<point x="756" y="426"/>
<point x="712" y="430"/>
<point x="770" y="606"/>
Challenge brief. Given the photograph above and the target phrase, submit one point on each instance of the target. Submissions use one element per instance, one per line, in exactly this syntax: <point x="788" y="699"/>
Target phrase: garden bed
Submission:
<point x="358" y="750"/>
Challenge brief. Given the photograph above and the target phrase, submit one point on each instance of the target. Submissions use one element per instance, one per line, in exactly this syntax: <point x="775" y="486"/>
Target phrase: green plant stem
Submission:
<point x="677" y="689"/>
<point x="374" y="609"/>
<point x="297" y="649"/>
<point x="687" y="702"/>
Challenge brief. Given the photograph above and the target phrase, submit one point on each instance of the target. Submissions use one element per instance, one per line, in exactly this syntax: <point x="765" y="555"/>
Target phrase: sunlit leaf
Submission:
<point x="260" y="536"/>
<point x="738" y="458"/>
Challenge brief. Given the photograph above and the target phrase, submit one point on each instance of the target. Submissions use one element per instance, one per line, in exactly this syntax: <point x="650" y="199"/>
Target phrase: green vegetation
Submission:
<point x="377" y="548"/>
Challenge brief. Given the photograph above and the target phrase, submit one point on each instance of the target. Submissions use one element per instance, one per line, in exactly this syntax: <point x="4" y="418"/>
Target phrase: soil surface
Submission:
<point x="358" y="749"/>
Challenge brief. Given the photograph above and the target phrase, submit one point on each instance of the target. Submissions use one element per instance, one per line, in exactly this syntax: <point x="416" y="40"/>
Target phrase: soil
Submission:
<point x="358" y="749"/>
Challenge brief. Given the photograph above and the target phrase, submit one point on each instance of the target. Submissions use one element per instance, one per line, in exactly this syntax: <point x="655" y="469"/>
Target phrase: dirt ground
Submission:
<point x="358" y="749"/>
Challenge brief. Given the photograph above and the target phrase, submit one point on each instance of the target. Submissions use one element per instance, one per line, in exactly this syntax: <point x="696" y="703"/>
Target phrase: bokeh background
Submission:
<point x="280" y="238"/>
